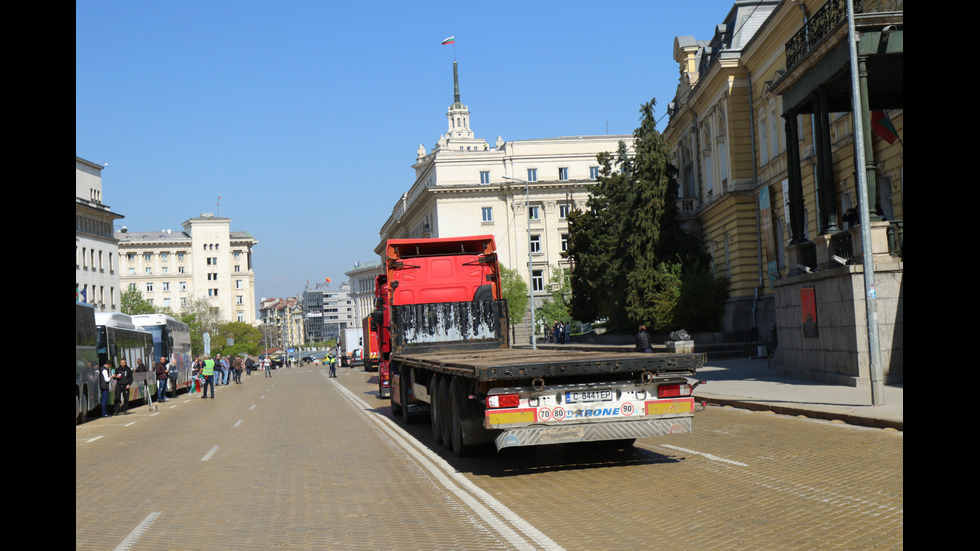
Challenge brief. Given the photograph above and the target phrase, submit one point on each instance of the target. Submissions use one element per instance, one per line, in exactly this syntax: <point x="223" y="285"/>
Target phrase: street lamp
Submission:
<point x="530" y="271"/>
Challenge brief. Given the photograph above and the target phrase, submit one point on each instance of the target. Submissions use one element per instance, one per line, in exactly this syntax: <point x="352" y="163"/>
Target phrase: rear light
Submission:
<point x="674" y="390"/>
<point x="503" y="401"/>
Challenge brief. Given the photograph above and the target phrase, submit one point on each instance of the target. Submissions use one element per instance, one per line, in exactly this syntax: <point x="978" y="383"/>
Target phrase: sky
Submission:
<point x="305" y="117"/>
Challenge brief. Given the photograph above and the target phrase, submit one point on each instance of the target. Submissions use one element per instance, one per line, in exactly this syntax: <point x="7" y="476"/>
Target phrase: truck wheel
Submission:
<point x="444" y="416"/>
<point x="457" y="410"/>
<point x="407" y="417"/>
<point x="395" y="408"/>
<point x="434" y="413"/>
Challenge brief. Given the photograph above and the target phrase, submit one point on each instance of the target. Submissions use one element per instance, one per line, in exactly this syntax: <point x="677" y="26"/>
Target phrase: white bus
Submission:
<point x="86" y="362"/>
<point x="172" y="340"/>
<point x="117" y="338"/>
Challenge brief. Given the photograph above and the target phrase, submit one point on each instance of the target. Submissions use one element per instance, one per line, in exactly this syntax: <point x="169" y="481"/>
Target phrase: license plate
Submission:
<point x="583" y="396"/>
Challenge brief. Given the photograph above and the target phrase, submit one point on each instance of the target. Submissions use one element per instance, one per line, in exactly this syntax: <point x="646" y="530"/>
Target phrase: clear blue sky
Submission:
<point x="305" y="116"/>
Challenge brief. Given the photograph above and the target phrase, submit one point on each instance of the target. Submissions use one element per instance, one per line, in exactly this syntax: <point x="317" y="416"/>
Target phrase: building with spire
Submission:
<point x="519" y="191"/>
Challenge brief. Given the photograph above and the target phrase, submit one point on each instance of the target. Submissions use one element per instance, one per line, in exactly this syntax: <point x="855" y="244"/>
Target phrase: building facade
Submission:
<point x="763" y="134"/>
<point x="326" y="312"/>
<point x="362" y="277"/>
<point x="96" y="248"/>
<point x="282" y="322"/>
<point x="520" y="192"/>
<point x="207" y="260"/>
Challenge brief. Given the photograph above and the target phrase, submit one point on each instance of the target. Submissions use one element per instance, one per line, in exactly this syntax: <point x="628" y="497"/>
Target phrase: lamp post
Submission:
<point x="530" y="271"/>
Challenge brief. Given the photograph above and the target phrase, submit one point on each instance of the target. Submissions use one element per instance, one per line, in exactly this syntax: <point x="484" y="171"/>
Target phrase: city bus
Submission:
<point x="172" y="340"/>
<point x="117" y="338"/>
<point x="86" y="362"/>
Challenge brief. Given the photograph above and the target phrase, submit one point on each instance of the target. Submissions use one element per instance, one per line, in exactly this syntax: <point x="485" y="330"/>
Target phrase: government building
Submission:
<point x="206" y="260"/>
<point x="520" y="192"/>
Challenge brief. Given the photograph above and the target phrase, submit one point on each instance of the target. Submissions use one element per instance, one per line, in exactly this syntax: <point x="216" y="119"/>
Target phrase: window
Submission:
<point x="129" y="256"/>
<point x="593" y="173"/>
<point x="238" y="284"/>
<point x="149" y="271"/>
<point x="484" y="176"/>
<point x="537" y="280"/>
<point x="487" y="214"/>
<point x="149" y="287"/>
<point x="563" y="211"/>
<point x="164" y="256"/>
<point x="564" y="242"/>
<point x="533" y="213"/>
<point x="535" y="243"/>
<point x="166" y="285"/>
<point x="563" y="173"/>
<point x="182" y="285"/>
<point x="532" y="175"/>
<point x="147" y="256"/>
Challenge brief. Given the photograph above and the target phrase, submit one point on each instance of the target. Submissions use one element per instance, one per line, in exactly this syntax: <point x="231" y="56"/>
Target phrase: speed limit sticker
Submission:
<point x="544" y="414"/>
<point x="558" y="413"/>
<point x="627" y="408"/>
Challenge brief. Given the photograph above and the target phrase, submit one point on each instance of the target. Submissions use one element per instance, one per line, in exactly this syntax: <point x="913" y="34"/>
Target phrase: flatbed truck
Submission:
<point x="450" y="362"/>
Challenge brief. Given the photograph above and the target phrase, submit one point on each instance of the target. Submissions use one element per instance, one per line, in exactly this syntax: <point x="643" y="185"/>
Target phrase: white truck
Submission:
<point x="351" y="347"/>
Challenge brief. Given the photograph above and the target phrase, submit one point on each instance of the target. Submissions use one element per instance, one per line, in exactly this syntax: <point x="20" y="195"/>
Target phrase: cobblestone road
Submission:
<point x="300" y="461"/>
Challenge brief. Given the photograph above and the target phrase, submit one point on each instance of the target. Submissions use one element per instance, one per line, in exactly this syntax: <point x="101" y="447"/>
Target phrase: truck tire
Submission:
<point x="396" y="409"/>
<point x="457" y="411"/>
<point x="434" y="413"/>
<point x="403" y="387"/>
<point x="444" y="416"/>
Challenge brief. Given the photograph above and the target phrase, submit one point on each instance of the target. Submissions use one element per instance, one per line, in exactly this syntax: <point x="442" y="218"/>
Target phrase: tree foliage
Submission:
<point x="132" y="303"/>
<point x="557" y="309"/>
<point x="515" y="291"/>
<point x="630" y="256"/>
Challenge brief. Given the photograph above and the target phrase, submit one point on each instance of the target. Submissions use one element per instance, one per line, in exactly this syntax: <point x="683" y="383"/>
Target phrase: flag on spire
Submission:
<point x="450" y="40"/>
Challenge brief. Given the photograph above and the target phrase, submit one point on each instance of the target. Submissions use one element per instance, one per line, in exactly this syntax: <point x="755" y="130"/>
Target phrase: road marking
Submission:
<point x="93" y="439"/>
<point x="138" y="531"/>
<point x="209" y="454"/>
<point x="472" y="495"/>
<point x="705" y="455"/>
<point x="238" y="423"/>
<point x="251" y="408"/>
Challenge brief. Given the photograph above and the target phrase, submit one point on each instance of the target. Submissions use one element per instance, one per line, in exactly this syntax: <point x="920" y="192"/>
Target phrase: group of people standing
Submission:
<point x="164" y="370"/>
<point x="220" y="372"/>
<point x="560" y="332"/>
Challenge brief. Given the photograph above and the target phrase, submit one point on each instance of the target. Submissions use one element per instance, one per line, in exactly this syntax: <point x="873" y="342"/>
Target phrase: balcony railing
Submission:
<point x="828" y="19"/>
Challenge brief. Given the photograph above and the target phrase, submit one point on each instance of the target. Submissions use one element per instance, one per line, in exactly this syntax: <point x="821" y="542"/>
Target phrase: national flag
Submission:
<point x="883" y="127"/>
<point x="450" y="40"/>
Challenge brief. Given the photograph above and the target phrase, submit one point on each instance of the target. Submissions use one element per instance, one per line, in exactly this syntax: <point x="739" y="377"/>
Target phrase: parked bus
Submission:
<point x="172" y="340"/>
<point x="117" y="338"/>
<point x="86" y="361"/>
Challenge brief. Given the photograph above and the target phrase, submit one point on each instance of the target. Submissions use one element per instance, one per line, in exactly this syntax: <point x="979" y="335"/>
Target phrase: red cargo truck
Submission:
<point x="444" y="341"/>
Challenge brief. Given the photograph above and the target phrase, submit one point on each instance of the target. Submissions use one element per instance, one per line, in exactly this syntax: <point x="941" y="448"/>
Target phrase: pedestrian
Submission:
<point x="565" y="330"/>
<point x="162" y="377"/>
<point x="249" y="365"/>
<point x="104" y="378"/>
<point x="173" y="373"/>
<point x="225" y="370"/>
<point x="124" y="379"/>
<point x="237" y="365"/>
<point x="267" y="366"/>
<point x="207" y="371"/>
<point x="140" y="366"/>
<point x="643" y="340"/>
<point x="332" y="361"/>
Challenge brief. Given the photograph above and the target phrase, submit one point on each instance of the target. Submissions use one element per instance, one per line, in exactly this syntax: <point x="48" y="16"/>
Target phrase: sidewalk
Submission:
<point x="752" y="384"/>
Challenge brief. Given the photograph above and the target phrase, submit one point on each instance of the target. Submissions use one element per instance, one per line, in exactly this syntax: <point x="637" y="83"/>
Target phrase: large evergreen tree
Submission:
<point x="628" y="251"/>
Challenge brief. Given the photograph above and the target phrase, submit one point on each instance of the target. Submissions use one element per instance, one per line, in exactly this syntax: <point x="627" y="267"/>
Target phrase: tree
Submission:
<point x="132" y="302"/>
<point x="246" y="339"/>
<point x="628" y="251"/>
<point x="515" y="292"/>
<point x="202" y="317"/>
<point x="557" y="309"/>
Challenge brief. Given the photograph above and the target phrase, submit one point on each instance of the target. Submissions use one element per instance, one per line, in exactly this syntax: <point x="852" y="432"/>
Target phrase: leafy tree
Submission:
<point x="246" y="339"/>
<point x="132" y="303"/>
<point x="201" y="317"/>
<point x="629" y="254"/>
<point x="515" y="291"/>
<point x="557" y="309"/>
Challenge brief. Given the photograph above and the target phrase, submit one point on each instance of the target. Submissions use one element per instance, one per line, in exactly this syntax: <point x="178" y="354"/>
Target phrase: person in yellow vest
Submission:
<point x="208" y="373"/>
<point x="332" y="360"/>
